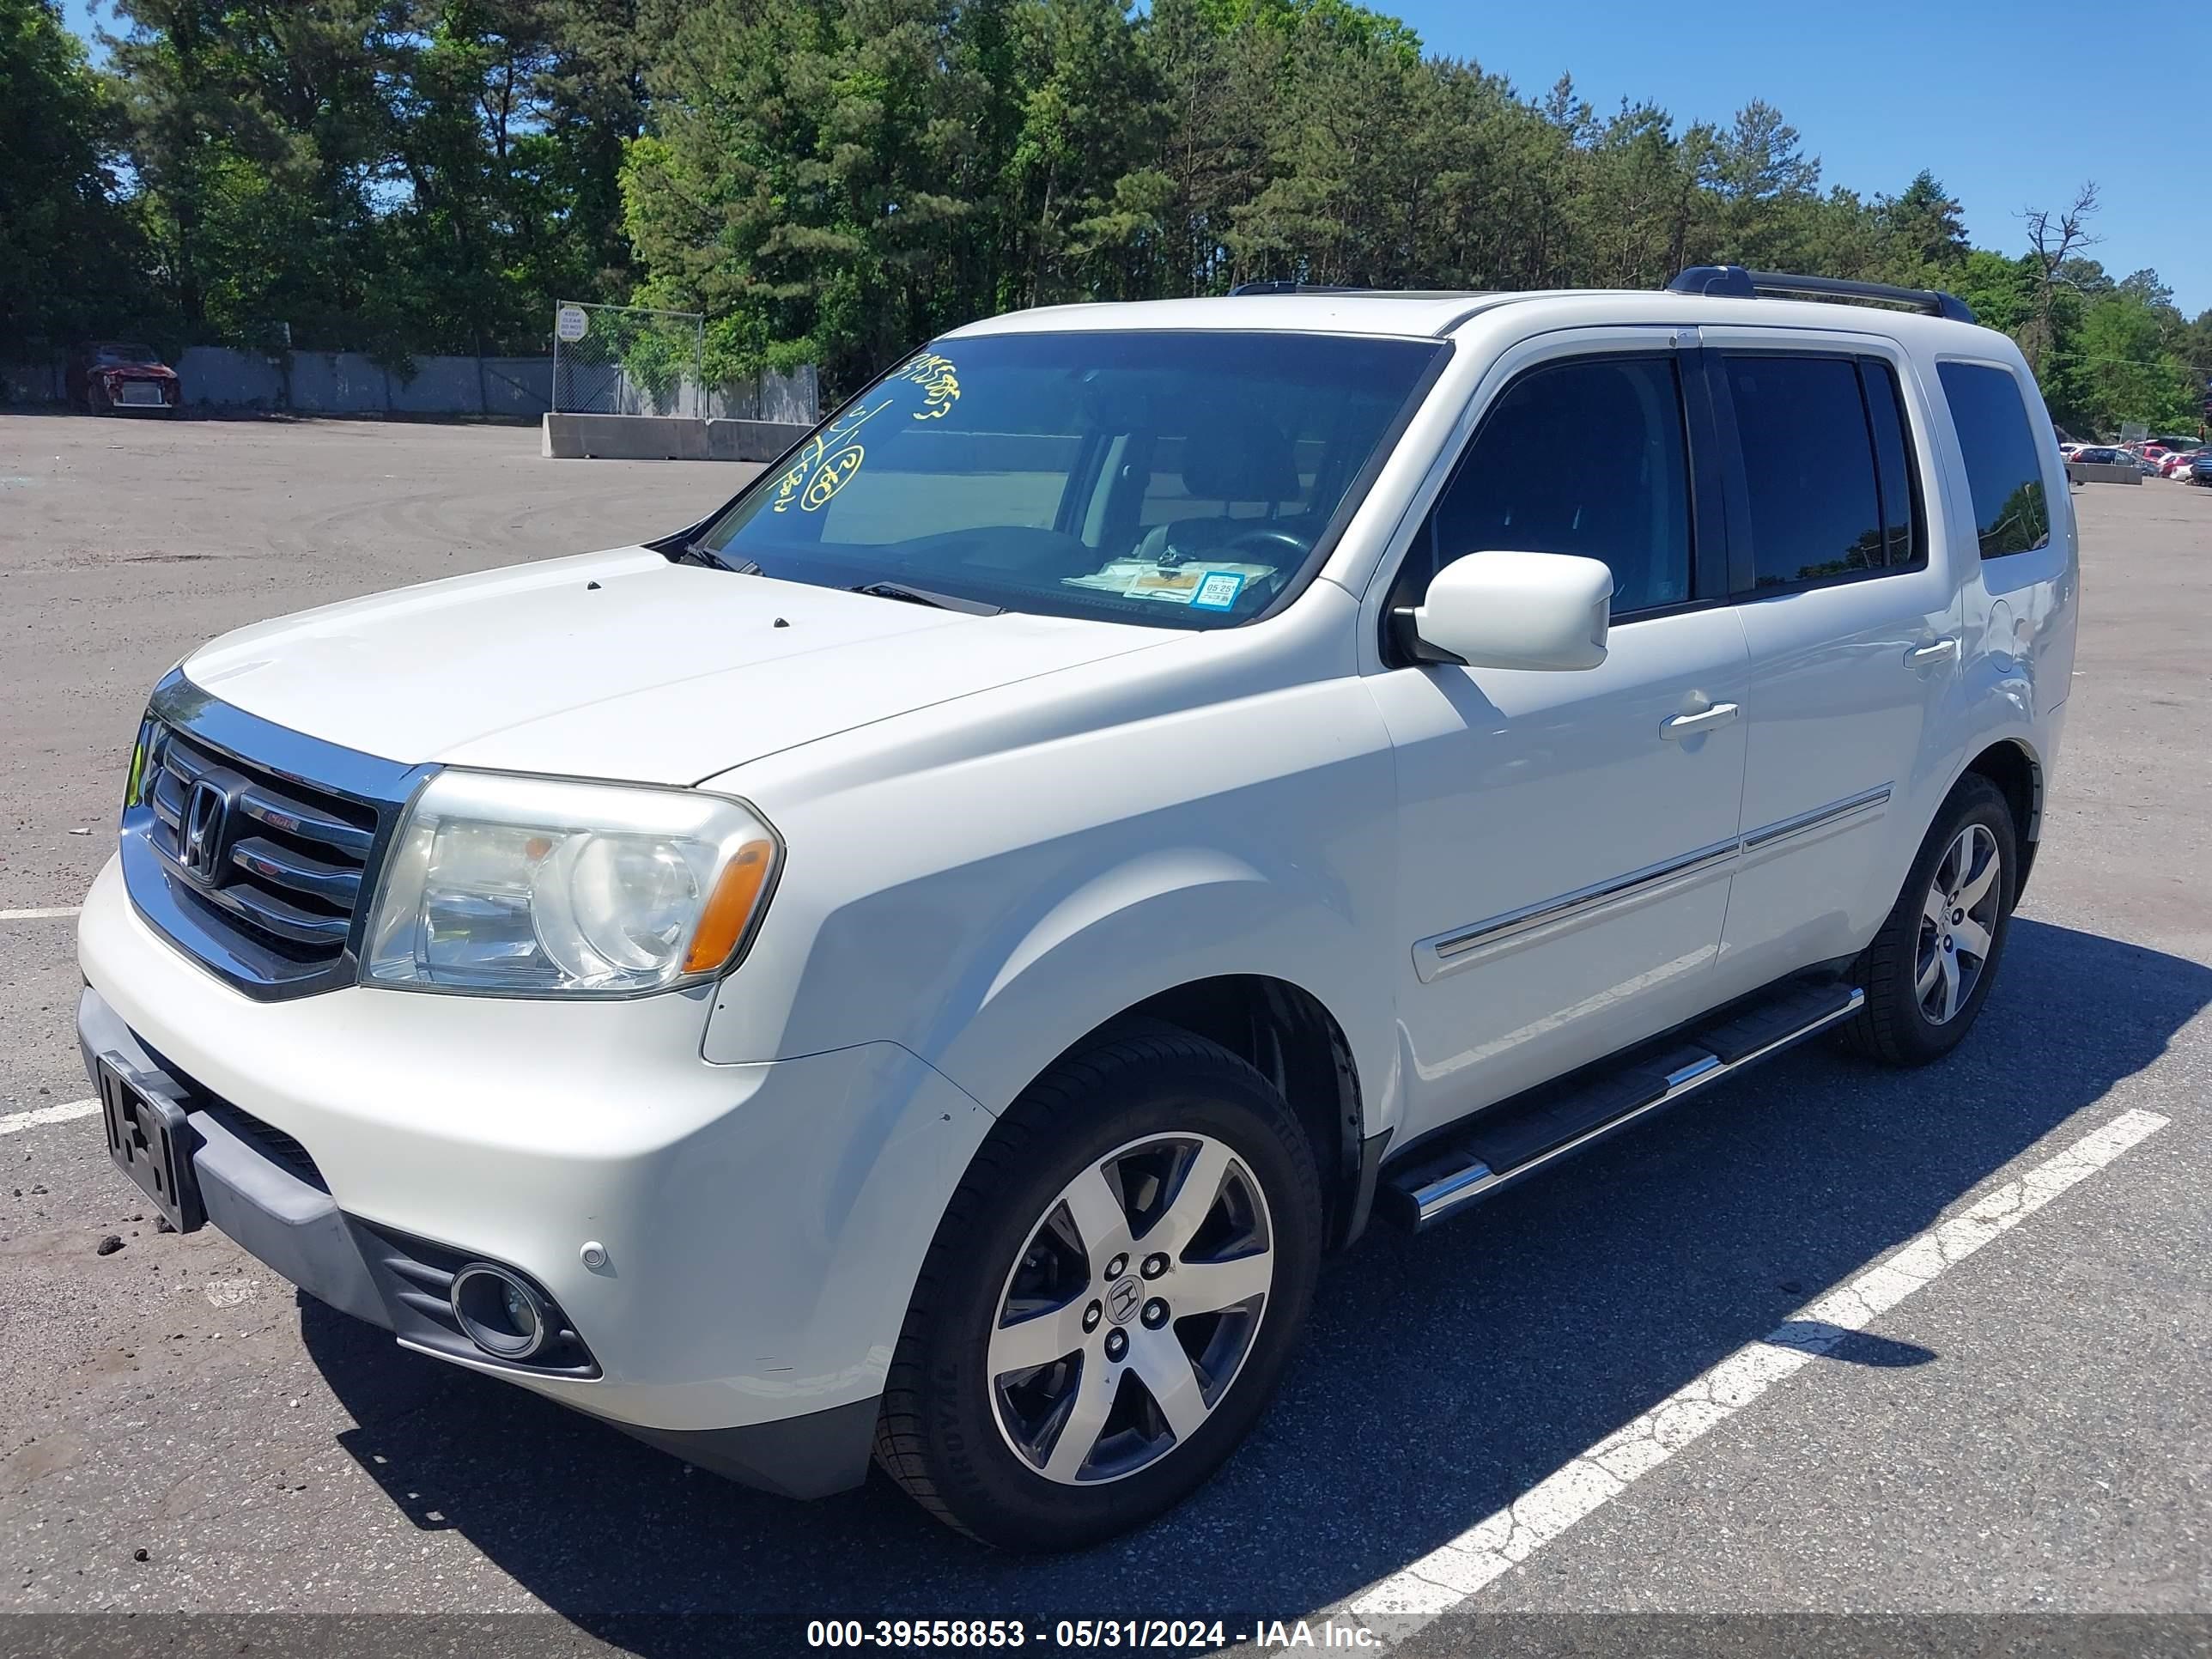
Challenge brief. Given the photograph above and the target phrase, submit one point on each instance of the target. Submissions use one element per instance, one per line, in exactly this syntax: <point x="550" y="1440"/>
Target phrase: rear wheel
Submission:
<point x="1111" y="1297"/>
<point x="1930" y="968"/>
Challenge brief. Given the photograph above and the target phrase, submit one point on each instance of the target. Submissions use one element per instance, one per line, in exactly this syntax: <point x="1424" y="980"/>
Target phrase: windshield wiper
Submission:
<point x="925" y="596"/>
<point x="700" y="553"/>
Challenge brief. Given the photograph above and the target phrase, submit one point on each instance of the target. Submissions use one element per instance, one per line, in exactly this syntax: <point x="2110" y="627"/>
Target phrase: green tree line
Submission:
<point x="832" y="181"/>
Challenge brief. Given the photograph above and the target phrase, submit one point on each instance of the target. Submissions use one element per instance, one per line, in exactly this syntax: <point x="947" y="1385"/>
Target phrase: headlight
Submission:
<point x="544" y="887"/>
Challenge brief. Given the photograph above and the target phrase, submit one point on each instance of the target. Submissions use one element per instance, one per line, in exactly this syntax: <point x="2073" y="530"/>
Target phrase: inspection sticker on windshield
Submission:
<point x="1217" y="591"/>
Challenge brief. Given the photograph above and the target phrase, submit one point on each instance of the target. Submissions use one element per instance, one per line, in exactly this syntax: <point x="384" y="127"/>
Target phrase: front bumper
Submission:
<point x="763" y="1225"/>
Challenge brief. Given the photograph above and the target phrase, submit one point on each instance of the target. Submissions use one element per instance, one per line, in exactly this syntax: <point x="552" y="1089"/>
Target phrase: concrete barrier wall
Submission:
<point x="224" y="379"/>
<point x="622" y="437"/>
<point x="662" y="438"/>
<point x="752" y="440"/>
<point x="353" y="383"/>
<point x="2104" y="472"/>
<point x="333" y="383"/>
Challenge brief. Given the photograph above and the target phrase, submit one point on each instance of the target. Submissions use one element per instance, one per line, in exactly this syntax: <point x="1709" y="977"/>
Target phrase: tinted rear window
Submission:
<point x="2003" y="465"/>
<point x="1808" y="457"/>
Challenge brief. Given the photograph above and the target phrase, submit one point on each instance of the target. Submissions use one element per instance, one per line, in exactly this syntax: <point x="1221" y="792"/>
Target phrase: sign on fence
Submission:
<point x="629" y="359"/>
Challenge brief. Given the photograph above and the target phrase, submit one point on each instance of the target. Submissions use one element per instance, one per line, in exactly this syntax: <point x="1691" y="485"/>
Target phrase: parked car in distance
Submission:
<point x="922" y="962"/>
<point x="106" y="375"/>
<point x="2200" y="467"/>
<point x="2100" y="455"/>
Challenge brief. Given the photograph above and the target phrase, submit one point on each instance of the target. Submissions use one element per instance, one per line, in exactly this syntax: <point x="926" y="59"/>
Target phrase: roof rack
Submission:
<point x="1299" y="288"/>
<point x="1735" y="282"/>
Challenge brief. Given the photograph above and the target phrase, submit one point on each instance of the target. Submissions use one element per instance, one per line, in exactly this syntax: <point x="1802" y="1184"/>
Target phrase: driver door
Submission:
<point x="1567" y="837"/>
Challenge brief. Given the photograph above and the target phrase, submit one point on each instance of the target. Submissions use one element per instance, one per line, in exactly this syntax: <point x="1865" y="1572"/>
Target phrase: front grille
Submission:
<point x="266" y="1138"/>
<point x="287" y="864"/>
<point x="253" y="847"/>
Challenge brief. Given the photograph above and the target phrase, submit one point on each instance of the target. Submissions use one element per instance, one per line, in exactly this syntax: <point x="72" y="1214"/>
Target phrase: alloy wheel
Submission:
<point x="1131" y="1307"/>
<point x="1958" y="924"/>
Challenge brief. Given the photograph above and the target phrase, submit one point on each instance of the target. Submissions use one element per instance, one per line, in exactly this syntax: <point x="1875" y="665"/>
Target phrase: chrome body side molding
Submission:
<point x="1500" y="935"/>
<point x="1848" y="813"/>
<point x="1448" y="952"/>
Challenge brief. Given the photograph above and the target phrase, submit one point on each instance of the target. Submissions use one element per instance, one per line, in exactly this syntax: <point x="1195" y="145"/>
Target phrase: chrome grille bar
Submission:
<point x="253" y="847"/>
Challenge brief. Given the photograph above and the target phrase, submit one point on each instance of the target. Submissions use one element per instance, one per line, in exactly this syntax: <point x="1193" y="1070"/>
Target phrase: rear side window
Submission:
<point x="2003" y="465"/>
<point x="1586" y="456"/>
<point x="1825" y="466"/>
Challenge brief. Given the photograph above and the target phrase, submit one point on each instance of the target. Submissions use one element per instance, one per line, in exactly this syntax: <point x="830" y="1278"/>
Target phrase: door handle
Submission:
<point x="1689" y="726"/>
<point x="1922" y="656"/>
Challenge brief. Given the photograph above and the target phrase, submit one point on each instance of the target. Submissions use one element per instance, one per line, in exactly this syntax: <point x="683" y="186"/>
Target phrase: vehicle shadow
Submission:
<point x="1440" y="1378"/>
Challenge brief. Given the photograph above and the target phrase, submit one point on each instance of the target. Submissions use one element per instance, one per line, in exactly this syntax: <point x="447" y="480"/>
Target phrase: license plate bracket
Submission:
<point x="150" y="1141"/>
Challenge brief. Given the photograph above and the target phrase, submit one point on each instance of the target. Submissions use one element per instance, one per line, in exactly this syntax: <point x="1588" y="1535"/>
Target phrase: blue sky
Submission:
<point x="2010" y="104"/>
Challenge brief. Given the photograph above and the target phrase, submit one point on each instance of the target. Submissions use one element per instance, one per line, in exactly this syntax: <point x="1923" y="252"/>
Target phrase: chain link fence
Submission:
<point x="629" y="359"/>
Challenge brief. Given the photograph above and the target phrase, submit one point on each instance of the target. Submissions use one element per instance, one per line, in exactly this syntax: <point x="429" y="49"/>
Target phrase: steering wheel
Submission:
<point x="1296" y="546"/>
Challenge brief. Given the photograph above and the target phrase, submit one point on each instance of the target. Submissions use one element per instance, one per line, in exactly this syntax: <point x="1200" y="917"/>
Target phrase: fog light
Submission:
<point x="499" y="1313"/>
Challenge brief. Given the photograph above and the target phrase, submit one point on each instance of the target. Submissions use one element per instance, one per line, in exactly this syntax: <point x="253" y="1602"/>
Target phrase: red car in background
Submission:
<point x="105" y="375"/>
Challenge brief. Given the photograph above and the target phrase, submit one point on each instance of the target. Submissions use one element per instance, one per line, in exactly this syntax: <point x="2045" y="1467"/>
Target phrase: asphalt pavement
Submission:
<point x="2027" y="1434"/>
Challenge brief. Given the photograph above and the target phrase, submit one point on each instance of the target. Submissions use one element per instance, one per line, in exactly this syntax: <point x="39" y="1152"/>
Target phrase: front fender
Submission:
<point x="1162" y="919"/>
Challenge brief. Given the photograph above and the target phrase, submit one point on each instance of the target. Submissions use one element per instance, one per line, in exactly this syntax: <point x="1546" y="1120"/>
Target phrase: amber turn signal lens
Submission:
<point x="730" y="907"/>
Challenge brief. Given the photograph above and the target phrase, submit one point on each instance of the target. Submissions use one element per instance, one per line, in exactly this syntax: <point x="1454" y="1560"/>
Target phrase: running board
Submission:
<point x="1515" y="1137"/>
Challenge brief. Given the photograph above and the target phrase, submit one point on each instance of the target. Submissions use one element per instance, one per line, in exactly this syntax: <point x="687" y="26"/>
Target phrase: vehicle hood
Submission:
<point x="620" y="664"/>
<point x="135" y="371"/>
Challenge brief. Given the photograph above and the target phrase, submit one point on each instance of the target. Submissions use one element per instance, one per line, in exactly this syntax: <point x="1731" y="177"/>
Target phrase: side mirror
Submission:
<point x="1546" y="610"/>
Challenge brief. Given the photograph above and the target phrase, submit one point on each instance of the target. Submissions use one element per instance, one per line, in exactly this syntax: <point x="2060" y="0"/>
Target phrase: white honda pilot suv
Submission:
<point x="923" y="962"/>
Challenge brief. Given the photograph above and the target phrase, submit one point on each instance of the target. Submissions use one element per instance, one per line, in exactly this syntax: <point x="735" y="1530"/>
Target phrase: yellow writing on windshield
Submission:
<point x="831" y="457"/>
<point x="831" y="477"/>
<point x="939" y="382"/>
<point x="824" y="450"/>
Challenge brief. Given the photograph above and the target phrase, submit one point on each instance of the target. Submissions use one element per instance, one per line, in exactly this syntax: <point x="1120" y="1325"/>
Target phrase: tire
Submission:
<point x="981" y="1439"/>
<point x="1904" y="1021"/>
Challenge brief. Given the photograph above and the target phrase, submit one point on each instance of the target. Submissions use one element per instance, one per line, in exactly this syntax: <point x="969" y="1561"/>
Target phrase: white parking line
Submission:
<point x="40" y="915"/>
<point x="1468" y="1564"/>
<point x="16" y="1122"/>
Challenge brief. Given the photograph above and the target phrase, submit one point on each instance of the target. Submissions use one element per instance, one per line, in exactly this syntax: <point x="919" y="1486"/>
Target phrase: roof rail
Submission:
<point x="1735" y="282"/>
<point x="1298" y="288"/>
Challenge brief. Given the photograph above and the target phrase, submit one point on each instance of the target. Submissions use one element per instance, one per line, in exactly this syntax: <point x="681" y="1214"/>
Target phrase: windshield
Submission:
<point x="1180" y="479"/>
<point x="127" y="353"/>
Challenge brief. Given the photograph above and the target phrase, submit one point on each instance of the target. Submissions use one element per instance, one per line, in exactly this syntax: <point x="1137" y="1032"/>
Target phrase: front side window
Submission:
<point x="1180" y="479"/>
<point x="2004" y="466"/>
<point x="1588" y="456"/>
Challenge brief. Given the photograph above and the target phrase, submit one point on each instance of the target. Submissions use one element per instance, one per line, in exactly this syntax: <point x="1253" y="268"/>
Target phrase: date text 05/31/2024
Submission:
<point x="1199" y="1634"/>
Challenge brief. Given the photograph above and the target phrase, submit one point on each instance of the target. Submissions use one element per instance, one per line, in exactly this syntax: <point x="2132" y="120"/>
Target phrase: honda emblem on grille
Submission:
<point x="200" y="835"/>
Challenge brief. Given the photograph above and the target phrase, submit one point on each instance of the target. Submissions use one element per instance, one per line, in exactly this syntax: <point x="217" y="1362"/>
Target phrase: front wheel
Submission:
<point x="1930" y="968"/>
<point x="1110" y="1299"/>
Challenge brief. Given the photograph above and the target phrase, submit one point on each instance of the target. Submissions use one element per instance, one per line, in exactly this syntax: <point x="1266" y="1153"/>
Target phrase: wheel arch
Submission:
<point x="1286" y="1034"/>
<point x="2013" y="767"/>
<point x="1291" y="1036"/>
